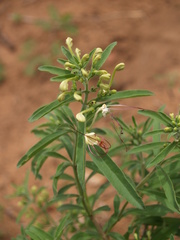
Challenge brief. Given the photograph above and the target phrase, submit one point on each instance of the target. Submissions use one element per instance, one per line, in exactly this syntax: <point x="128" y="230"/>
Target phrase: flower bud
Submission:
<point x="84" y="72"/>
<point x="105" y="77"/>
<point x="171" y="116"/>
<point x="113" y="91"/>
<point x="64" y="86"/>
<point x="98" y="50"/>
<point x="85" y="58"/>
<point x="78" y="53"/>
<point x="168" y="129"/>
<point x="69" y="42"/>
<point x="80" y="117"/>
<point x="96" y="59"/>
<point x="104" y="86"/>
<point x="100" y="72"/>
<point x="175" y="129"/>
<point x="77" y="97"/>
<point x="34" y="189"/>
<point x="69" y="65"/>
<point x="61" y="97"/>
<point x="119" y="66"/>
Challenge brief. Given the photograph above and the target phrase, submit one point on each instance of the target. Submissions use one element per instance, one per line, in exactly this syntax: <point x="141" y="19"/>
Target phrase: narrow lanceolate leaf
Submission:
<point x="80" y="151"/>
<point x="154" y="133"/>
<point x="54" y="70"/>
<point x="65" y="221"/>
<point x="146" y="147"/>
<point x="168" y="188"/>
<point x="38" y="234"/>
<point x="117" y="178"/>
<point x="163" y="153"/>
<point x="39" y="146"/>
<point x="61" y="77"/>
<point x="42" y="111"/>
<point x="126" y="94"/>
<point x="105" y="55"/>
<point x="66" y="53"/>
<point x="163" y="118"/>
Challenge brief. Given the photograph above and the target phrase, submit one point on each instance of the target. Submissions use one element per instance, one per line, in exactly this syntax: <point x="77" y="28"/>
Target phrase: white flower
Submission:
<point x="105" y="110"/>
<point x="92" y="139"/>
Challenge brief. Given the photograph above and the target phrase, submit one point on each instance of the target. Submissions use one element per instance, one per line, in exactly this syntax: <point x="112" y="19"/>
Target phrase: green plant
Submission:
<point x="146" y="182"/>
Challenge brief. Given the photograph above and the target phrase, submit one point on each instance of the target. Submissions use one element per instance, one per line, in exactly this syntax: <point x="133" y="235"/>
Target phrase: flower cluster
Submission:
<point x="76" y="69"/>
<point x="174" y="129"/>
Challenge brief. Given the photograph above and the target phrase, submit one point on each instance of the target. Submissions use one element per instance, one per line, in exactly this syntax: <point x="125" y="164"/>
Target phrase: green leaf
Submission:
<point x="171" y="237"/>
<point x="61" y="78"/>
<point x="54" y="70"/>
<point x="160" y="116"/>
<point x="38" y="234"/>
<point x="67" y="54"/>
<point x="65" y="188"/>
<point x="65" y="221"/>
<point x="70" y="207"/>
<point x="39" y="146"/>
<point x="117" y="178"/>
<point x="80" y="153"/>
<point x="82" y="236"/>
<point x="146" y="147"/>
<point x="105" y="55"/>
<point x="67" y="145"/>
<point x="126" y="94"/>
<point x="153" y="133"/>
<point x="162" y="154"/>
<point x="116" y="204"/>
<point x="168" y="188"/>
<point x="102" y="208"/>
<point x="59" y="171"/>
<point x="116" y="236"/>
<point x="61" y="61"/>
<point x="42" y="111"/>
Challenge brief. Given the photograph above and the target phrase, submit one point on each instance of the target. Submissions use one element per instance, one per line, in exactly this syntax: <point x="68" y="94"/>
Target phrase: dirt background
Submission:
<point x="148" y="37"/>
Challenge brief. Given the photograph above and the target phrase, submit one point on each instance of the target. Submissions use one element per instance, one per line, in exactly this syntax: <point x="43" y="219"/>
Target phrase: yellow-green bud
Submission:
<point x="69" y="65"/>
<point x="77" y="97"/>
<point x="171" y="116"/>
<point x="104" y="86"/>
<point x="113" y="91"/>
<point x="98" y="50"/>
<point x="168" y="129"/>
<point x="174" y="123"/>
<point x="100" y="72"/>
<point x="64" y="86"/>
<point x="175" y="129"/>
<point x="135" y="236"/>
<point x="105" y="77"/>
<point x="96" y="59"/>
<point x="69" y="42"/>
<point x="84" y="72"/>
<point x="80" y="117"/>
<point x="33" y="189"/>
<point x="44" y="194"/>
<point x="119" y="67"/>
<point x="178" y="124"/>
<point x="85" y="57"/>
<point x="61" y="97"/>
<point x="78" y="53"/>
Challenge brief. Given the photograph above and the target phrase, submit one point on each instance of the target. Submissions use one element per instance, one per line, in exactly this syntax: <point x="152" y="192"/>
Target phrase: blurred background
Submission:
<point x="31" y="33"/>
